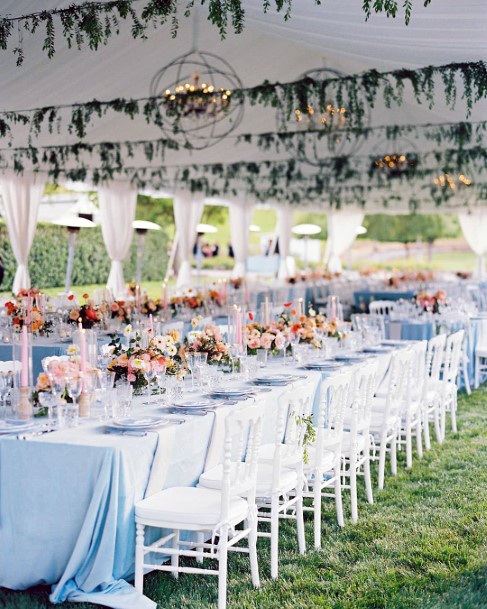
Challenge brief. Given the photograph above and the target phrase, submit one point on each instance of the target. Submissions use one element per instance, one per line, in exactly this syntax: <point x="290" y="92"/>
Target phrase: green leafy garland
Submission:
<point x="460" y="136"/>
<point x="357" y="93"/>
<point x="94" y="23"/>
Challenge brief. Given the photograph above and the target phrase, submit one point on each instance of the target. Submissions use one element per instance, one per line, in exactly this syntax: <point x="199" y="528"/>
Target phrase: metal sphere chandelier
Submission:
<point x="319" y="128"/>
<point x="401" y="158"/>
<point x="197" y="101"/>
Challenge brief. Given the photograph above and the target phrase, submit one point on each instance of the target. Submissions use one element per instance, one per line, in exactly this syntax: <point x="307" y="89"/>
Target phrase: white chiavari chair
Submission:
<point x="212" y="513"/>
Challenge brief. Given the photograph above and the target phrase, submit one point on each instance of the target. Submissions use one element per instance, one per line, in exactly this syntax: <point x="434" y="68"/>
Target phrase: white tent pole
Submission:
<point x="73" y="233"/>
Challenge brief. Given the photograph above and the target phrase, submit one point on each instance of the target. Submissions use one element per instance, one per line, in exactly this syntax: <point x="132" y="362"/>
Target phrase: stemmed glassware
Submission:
<point x="191" y="363"/>
<point x="149" y="375"/>
<point x="200" y="361"/>
<point x="161" y="376"/>
<point x="5" y="385"/>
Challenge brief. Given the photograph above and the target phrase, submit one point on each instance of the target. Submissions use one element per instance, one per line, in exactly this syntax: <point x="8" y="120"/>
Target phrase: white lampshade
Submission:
<point x="306" y="229"/>
<point x="206" y="228"/>
<point x="254" y="228"/>
<point x="73" y="221"/>
<point x="145" y="225"/>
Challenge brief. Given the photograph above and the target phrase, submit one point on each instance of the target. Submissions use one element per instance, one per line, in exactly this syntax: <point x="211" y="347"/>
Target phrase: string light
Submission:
<point x="445" y="180"/>
<point x="395" y="164"/>
<point x="331" y="117"/>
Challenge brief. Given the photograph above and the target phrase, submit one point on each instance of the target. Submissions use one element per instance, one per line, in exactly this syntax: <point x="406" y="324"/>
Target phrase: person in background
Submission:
<point x="230" y="251"/>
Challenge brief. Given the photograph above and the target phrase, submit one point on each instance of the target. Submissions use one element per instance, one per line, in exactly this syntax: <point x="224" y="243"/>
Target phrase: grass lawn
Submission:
<point x="423" y="544"/>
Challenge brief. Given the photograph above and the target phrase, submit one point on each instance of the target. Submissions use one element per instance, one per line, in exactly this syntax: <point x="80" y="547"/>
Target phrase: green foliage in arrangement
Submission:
<point x="47" y="260"/>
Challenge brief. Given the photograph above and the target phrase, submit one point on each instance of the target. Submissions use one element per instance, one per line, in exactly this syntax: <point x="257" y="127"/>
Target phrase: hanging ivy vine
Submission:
<point x="94" y="23"/>
<point x="352" y="91"/>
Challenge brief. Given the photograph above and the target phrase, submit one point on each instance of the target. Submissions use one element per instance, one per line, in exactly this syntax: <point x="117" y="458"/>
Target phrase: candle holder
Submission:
<point x="24" y="407"/>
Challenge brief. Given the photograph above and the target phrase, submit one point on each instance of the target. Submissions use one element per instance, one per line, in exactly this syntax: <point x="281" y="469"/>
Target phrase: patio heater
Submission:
<point x="73" y="224"/>
<point x="141" y="227"/>
<point x="306" y="230"/>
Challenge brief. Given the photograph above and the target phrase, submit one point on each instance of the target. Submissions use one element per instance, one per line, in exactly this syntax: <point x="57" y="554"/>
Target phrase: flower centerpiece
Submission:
<point x="120" y="311"/>
<point x="430" y="303"/>
<point x="89" y="313"/>
<point x="60" y="368"/>
<point x="133" y="362"/>
<point x="271" y="337"/>
<point x="209" y="340"/>
<point x="38" y="324"/>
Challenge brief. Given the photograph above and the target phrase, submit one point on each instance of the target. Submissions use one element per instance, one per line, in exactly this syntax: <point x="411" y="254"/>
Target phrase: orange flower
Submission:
<point x="86" y="296"/>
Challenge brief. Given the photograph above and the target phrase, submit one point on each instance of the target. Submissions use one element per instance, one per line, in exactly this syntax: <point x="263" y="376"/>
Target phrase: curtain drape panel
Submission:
<point x="474" y="228"/>
<point x="285" y="215"/>
<point x="21" y="198"/>
<point x="342" y="231"/>
<point x="240" y="212"/>
<point x="117" y="201"/>
<point x="188" y="209"/>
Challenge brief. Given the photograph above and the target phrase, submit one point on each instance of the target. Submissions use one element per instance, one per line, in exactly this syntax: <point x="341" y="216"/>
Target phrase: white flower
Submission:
<point x="72" y="350"/>
<point x="171" y="350"/>
<point x="139" y="364"/>
<point x="107" y="349"/>
<point x="127" y="330"/>
<point x="159" y="342"/>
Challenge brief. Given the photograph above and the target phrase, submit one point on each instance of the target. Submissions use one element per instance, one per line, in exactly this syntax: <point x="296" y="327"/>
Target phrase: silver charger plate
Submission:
<point x="134" y="423"/>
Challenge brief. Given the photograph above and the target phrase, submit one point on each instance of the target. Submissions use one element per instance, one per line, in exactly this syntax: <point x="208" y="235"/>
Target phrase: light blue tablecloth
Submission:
<point x="39" y="352"/>
<point x="363" y="298"/>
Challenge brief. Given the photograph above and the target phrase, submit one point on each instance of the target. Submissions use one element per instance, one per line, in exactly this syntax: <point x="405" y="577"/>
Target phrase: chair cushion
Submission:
<point x="289" y="479"/>
<point x="187" y="505"/>
<point x="377" y="420"/>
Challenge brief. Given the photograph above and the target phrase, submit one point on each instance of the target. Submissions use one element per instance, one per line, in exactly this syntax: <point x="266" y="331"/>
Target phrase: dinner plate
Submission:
<point x="229" y="392"/>
<point x="15" y="426"/>
<point x="322" y="365"/>
<point x="197" y="404"/>
<point x="378" y="349"/>
<point x="139" y="422"/>
<point x="350" y="358"/>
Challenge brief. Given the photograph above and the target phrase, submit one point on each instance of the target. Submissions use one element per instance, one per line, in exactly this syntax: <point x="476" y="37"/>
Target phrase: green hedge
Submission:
<point x="47" y="260"/>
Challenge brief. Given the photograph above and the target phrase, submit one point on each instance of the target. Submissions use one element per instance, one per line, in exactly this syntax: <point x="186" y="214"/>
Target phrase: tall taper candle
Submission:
<point x="24" y="375"/>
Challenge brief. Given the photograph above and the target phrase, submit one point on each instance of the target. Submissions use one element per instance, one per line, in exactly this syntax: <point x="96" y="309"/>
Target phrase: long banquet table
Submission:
<point x="67" y="497"/>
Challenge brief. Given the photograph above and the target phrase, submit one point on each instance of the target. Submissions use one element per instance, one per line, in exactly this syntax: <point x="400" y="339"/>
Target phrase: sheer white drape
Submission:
<point x="117" y="201"/>
<point x="474" y="228"/>
<point x="188" y="209"/>
<point x="21" y="198"/>
<point x="285" y="215"/>
<point x="342" y="231"/>
<point x="240" y="212"/>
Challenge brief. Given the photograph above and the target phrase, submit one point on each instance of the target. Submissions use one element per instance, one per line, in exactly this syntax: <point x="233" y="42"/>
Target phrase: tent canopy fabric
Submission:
<point x="333" y="35"/>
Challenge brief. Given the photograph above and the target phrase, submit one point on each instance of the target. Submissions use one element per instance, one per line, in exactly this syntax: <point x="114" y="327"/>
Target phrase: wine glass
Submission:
<point x="5" y="385"/>
<point x="191" y="363"/>
<point x="161" y="376"/>
<point x="149" y="375"/>
<point x="106" y="378"/>
<point x="74" y="385"/>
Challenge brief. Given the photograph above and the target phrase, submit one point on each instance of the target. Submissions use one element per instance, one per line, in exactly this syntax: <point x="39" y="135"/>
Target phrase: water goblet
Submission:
<point x="74" y="385"/>
<point x="106" y="379"/>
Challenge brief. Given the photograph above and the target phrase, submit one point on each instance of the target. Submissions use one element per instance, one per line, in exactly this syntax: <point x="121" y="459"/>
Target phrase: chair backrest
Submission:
<point x="10" y="367"/>
<point x="296" y="405"/>
<point x="335" y="393"/>
<point x="398" y="383"/>
<point x="434" y="357"/>
<point x="481" y="327"/>
<point x="243" y="431"/>
<point x="453" y="353"/>
<point x="381" y="307"/>
<point x="417" y="377"/>
<point x="364" y="389"/>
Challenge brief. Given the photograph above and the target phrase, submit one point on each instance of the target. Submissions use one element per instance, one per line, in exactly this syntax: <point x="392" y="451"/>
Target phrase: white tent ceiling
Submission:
<point x="334" y="35"/>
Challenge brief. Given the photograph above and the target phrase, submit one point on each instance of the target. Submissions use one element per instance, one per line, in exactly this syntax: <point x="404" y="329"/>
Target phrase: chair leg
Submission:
<point x="175" y="557"/>
<point x="394" y="455"/>
<point x="409" y="445"/>
<point x="338" y="496"/>
<point x="382" y="462"/>
<point x="476" y="380"/>
<point x="437" y="424"/>
<point x="465" y="375"/>
<point x="200" y="538"/>
<point x="453" y="414"/>
<point x="317" y="511"/>
<point x="222" y="567"/>
<point x="353" y="490"/>
<point x="274" y="537"/>
<point x="419" y="439"/>
<point x="368" y="481"/>
<point x="254" y="564"/>
<point x="139" y="557"/>
<point x="426" y="429"/>
<point x="300" y="520"/>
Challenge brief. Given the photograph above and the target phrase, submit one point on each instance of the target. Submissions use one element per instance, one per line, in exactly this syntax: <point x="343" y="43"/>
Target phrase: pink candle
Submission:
<point x="333" y="307"/>
<point x="82" y="347"/>
<point x="151" y="325"/>
<point x="24" y="376"/>
<point x="238" y="326"/>
<point x="164" y="296"/>
<point x="266" y="311"/>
